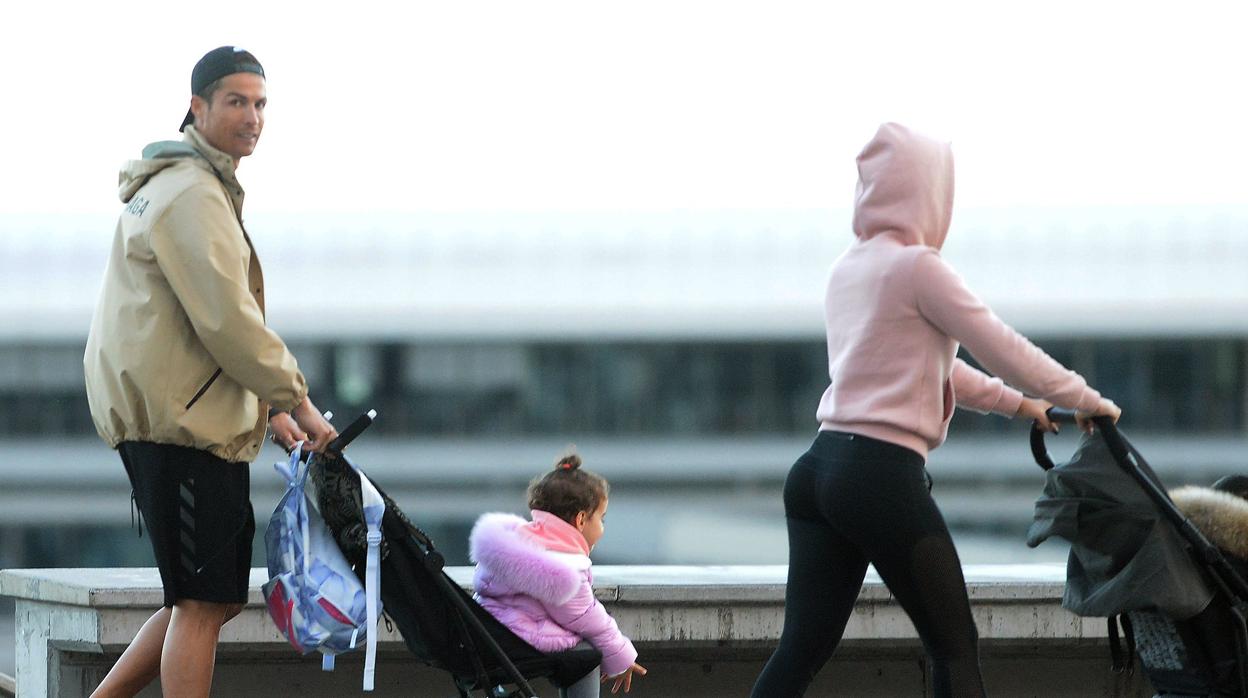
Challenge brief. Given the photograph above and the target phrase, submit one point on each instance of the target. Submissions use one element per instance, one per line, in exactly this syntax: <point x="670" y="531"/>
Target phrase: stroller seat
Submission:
<point x="441" y="624"/>
<point x="1197" y="656"/>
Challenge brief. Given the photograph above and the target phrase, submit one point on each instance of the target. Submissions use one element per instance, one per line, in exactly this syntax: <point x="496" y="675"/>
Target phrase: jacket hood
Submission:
<point x="553" y="533"/>
<point x="905" y="188"/>
<point x="517" y="561"/>
<point x="161" y="154"/>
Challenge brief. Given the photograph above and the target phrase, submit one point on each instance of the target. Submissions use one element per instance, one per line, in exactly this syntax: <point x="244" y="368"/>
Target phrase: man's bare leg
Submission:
<point x="139" y="665"/>
<point x="190" y="650"/>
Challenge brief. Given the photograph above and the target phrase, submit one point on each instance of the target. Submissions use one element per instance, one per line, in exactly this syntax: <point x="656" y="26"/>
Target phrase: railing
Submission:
<point x="700" y="631"/>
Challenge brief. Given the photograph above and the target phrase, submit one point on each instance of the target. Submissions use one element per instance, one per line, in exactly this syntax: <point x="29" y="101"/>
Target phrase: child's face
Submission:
<point x="593" y="525"/>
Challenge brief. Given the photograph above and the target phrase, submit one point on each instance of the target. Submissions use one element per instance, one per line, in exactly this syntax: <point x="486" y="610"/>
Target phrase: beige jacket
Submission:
<point x="178" y="351"/>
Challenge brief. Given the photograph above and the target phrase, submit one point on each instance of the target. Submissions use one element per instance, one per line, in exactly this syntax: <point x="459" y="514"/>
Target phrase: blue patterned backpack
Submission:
<point x="314" y="597"/>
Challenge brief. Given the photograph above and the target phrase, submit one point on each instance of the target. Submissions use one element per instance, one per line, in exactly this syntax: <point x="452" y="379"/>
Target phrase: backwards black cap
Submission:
<point x="216" y="64"/>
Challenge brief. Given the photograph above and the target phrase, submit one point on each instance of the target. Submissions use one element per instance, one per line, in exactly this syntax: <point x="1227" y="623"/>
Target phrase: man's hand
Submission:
<point x="625" y="678"/>
<point x="284" y="431"/>
<point x="1034" y="409"/>
<point x="319" y="431"/>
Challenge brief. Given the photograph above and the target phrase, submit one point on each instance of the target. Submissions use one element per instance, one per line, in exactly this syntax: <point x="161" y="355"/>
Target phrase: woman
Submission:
<point x="896" y="314"/>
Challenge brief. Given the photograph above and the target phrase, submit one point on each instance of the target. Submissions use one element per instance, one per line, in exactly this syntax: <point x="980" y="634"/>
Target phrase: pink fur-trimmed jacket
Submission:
<point x="530" y="579"/>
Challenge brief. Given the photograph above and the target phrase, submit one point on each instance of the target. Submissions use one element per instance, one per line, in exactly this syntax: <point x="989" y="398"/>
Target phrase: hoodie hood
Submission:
<point x="905" y="188"/>
<point x="162" y="154"/>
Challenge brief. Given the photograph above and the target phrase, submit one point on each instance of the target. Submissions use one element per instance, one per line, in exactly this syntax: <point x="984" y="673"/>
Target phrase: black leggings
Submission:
<point x="851" y="501"/>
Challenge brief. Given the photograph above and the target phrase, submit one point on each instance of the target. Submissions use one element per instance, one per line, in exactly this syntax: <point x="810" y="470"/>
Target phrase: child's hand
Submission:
<point x="625" y="678"/>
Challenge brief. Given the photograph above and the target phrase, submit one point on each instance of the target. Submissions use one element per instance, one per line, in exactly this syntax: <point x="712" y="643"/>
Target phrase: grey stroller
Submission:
<point x="1137" y="559"/>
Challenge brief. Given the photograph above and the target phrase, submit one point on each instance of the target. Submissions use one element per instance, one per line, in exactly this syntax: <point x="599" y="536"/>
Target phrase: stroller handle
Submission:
<point x="353" y="430"/>
<point x="1061" y="416"/>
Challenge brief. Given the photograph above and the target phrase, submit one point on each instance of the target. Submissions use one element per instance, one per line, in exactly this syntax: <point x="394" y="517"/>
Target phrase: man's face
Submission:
<point x="233" y="120"/>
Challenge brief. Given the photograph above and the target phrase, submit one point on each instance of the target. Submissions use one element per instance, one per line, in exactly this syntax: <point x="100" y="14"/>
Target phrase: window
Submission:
<point x="645" y="388"/>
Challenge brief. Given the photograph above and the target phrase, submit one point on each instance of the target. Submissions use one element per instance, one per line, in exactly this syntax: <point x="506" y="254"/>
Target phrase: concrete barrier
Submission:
<point x="700" y="631"/>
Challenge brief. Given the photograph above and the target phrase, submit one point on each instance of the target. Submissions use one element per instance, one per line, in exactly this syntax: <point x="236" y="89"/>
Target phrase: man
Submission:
<point x="182" y="374"/>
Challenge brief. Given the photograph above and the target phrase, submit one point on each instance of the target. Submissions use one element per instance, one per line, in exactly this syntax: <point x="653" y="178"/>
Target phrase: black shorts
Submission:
<point x="197" y="510"/>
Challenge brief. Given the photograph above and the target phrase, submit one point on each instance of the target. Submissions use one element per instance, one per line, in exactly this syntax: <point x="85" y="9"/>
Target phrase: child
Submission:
<point x="534" y="576"/>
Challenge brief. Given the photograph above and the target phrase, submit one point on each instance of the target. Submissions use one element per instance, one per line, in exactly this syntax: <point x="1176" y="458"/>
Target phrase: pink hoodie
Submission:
<point x="896" y="312"/>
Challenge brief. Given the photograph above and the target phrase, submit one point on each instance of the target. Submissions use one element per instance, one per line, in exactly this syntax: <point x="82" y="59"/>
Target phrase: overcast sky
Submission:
<point x="640" y="105"/>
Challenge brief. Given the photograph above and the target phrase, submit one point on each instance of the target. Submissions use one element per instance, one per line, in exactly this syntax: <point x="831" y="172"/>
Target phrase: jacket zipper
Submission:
<point x="203" y="389"/>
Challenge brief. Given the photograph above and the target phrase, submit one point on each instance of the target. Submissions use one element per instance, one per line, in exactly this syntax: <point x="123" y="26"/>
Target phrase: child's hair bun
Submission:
<point x="568" y="489"/>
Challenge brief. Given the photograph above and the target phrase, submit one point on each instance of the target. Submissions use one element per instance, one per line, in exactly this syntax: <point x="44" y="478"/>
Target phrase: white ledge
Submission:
<point x="72" y="623"/>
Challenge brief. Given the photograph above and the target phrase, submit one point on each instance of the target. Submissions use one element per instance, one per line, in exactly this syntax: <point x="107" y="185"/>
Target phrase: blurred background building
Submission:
<point x="682" y="354"/>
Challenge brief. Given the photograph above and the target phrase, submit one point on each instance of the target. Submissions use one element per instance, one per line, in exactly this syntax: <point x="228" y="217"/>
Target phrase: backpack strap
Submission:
<point x="1128" y="631"/>
<point x="295" y="473"/>
<point x="374" y="508"/>
<point x="1119" y="663"/>
<point x="1115" y="645"/>
<point x="290" y="469"/>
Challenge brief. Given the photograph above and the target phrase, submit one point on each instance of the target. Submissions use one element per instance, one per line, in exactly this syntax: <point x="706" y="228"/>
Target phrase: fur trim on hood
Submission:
<point x="509" y="562"/>
<point x="1221" y="516"/>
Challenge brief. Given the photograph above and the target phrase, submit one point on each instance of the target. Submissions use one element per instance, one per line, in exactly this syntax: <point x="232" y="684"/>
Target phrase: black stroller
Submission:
<point x="1139" y="561"/>
<point x="441" y="624"/>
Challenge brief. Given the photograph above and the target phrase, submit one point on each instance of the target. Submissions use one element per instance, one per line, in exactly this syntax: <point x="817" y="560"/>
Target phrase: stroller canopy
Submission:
<point x="1124" y="555"/>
